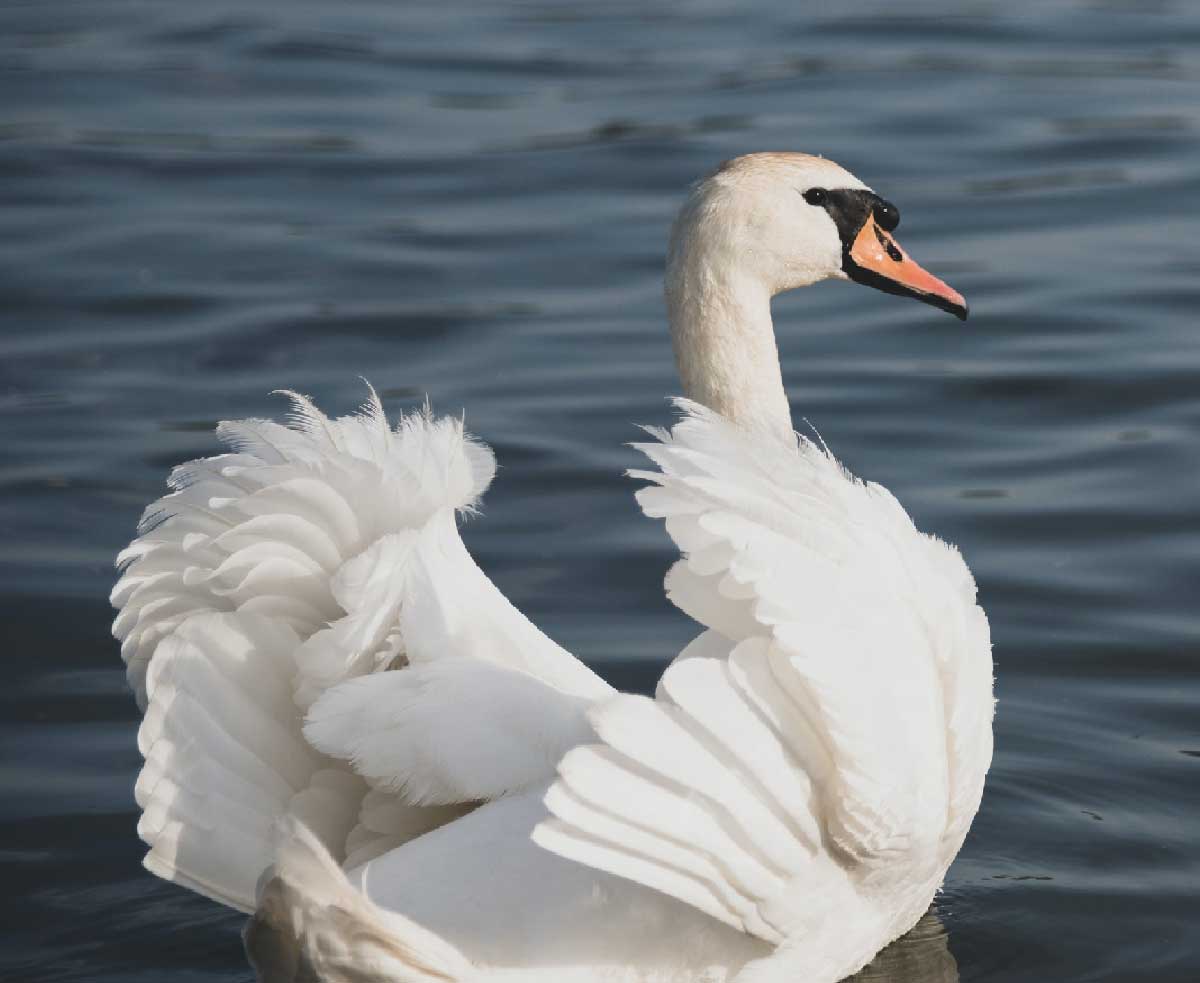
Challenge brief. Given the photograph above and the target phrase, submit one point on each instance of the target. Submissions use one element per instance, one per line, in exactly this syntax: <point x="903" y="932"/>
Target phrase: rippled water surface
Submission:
<point x="204" y="202"/>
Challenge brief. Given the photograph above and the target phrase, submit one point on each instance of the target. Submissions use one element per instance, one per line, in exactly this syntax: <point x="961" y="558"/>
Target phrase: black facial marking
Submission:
<point x="851" y="209"/>
<point x="888" y="245"/>
<point x="887" y="215"/>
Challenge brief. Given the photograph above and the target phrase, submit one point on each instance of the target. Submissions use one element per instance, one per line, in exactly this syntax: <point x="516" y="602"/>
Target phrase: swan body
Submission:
<point x="350" y="732"/>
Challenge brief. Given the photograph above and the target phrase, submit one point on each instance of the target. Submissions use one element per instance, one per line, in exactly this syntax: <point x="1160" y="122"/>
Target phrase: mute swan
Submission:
<point x="335" y="694"/>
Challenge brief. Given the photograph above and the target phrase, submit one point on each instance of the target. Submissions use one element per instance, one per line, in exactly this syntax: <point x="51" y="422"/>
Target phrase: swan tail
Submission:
<point x="313" y="924"/>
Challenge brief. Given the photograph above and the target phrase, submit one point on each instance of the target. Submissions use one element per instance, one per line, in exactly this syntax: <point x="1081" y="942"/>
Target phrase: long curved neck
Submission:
<point x="724" y="342"/>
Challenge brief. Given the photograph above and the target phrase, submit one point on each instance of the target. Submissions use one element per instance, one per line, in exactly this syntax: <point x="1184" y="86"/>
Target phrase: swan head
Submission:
<point x="789" y="220"/>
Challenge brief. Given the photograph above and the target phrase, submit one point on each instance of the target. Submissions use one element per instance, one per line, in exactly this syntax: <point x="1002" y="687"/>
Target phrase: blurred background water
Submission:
<point x="205" y="202"/>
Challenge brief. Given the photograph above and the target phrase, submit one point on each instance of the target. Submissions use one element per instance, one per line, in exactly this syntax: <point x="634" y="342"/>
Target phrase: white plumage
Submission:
<point x="782" y="771"/>
<point x="349" y="729"/>
<point x="314" y="555"/>
<point x="455" y="730"/>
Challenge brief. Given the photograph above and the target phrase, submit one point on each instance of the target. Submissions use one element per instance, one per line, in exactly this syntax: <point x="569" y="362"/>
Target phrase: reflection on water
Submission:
<point x="921" y="956"/>
<point x="206" y="202"/>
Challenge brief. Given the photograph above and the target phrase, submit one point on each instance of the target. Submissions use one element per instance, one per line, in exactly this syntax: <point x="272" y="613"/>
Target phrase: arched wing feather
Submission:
<point x="311" y="555"/>
<point x="836" y="729"/>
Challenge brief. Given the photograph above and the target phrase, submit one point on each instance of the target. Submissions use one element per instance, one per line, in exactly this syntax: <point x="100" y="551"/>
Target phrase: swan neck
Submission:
<point x="724" y="342"/>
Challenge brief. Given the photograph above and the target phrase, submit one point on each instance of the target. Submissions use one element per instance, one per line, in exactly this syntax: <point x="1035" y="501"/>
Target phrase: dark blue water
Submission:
<point x="204" y="202"/>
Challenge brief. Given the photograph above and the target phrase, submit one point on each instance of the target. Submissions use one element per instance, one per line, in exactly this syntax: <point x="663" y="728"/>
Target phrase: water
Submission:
<point x="206" y="202"/>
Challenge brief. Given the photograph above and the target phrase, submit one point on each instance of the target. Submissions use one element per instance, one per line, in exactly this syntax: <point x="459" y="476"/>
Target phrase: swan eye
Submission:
<point x="816" y="196"/>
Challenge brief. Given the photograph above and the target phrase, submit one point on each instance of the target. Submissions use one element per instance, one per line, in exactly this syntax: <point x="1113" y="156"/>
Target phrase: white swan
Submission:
<point x="461" y="799"/>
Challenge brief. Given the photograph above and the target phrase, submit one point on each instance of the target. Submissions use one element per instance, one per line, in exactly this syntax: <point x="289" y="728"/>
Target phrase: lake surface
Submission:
<point x="205" y="202"/>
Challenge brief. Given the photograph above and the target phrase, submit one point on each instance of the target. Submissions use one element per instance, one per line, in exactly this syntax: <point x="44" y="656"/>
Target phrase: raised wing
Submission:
<point x="313" y="554"/>
<point x="849" y="722"/>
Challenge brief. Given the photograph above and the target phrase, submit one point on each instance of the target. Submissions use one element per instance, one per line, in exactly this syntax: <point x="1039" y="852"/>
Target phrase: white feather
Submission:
<point x="826" y="739"/>
<point x="312" y="923"/>
<point x="316" y="554"/>
<point x="451" y="731"/>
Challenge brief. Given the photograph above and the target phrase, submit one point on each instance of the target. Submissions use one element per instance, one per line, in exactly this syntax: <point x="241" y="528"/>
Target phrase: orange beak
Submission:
<point x="876" y="259"/>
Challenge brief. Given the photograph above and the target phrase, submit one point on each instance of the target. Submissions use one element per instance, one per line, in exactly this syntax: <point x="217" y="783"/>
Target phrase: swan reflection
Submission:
<point x="921" y="956"/>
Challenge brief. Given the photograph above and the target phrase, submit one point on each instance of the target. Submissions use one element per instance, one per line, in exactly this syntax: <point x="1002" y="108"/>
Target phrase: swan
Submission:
<point x="352" y="735"/>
